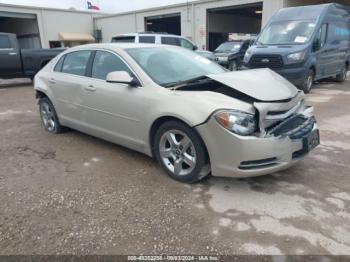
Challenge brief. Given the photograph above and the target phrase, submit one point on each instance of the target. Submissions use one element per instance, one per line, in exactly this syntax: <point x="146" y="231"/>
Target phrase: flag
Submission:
<point x="92" y="6"/>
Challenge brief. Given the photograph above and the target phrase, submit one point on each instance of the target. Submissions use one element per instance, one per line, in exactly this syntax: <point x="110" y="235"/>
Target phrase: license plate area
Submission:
<point x="311" y="141"/>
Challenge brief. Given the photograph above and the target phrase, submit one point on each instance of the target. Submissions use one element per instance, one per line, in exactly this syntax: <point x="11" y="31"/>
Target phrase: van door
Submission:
<point x="323" y="58"/>
<point x="339" y="41"/>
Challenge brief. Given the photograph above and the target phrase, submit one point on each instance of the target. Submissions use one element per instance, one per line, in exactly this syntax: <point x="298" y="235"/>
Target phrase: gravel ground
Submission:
<point x="76" y="194"/>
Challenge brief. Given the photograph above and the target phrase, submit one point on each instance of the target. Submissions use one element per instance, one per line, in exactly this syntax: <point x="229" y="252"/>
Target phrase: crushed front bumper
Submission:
<point x="232" y="155"/>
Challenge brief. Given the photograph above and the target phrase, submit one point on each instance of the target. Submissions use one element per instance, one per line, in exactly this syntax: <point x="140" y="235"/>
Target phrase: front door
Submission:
<point x="114" y="111"/>
<point x="324" y="53"/>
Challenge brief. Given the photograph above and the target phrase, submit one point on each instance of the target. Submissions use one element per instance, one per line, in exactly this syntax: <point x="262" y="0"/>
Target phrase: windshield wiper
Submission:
<point x="182" y="82"/>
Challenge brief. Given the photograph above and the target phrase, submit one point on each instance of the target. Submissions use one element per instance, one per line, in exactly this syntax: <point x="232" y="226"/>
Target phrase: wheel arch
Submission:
<point x="313" y="68"/>
<point x="161" y="120"/>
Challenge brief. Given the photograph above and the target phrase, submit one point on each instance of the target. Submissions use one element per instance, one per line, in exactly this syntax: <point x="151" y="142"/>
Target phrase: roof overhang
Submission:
<point x="76" y="37"/>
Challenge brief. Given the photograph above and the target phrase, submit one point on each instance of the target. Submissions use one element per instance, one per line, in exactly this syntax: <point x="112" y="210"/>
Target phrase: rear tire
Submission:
<point x="308" y="82"/>
<point x="342" y="76"/>
<point x="49" y="117"/>
<point x="181" y="152"/>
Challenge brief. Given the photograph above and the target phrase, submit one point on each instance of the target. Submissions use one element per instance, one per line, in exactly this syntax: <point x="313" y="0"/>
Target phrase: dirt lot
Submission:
<point x="72" y="193"/>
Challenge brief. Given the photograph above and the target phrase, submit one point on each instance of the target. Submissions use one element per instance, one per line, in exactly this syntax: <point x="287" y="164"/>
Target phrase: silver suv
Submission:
<point x="161" y="39"/>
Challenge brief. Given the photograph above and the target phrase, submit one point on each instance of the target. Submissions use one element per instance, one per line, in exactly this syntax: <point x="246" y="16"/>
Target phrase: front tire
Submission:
<point x="49" y="117"/>
<point x="181" y="152"/>
<point x="342" y="76"/>
<point x="308" y="82"/>
<point x="233" y="66"/>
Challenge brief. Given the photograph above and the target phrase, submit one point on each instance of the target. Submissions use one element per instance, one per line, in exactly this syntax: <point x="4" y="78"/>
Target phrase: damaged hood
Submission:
<point x="261" y="84"/>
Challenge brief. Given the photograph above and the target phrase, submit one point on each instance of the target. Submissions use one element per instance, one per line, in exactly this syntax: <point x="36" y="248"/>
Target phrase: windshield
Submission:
<point x="229" y="47"/>
<point x="287" y="33"/>
<point x="167" y="65"/>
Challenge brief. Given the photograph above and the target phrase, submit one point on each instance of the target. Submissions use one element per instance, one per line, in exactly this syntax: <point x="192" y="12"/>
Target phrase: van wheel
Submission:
<point x="181" y="152"/>
<point x="308" y="82"/>
<point x="49" y="116"/>
<point x="233" y="66"/>
<point x="342" y="76"/>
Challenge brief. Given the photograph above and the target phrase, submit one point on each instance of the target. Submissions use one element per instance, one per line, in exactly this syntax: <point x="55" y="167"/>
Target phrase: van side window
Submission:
<point x="322" y="37"/>
<point x="123" y="39"/>
<point x="171" y="41"/>
<point x="339" y="32"/>
<point x="147" y="39"/>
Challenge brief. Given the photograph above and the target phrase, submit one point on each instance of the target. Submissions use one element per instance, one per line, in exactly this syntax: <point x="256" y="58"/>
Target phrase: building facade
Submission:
<point x="206" y="22"/>
<point x="45" y="27"/>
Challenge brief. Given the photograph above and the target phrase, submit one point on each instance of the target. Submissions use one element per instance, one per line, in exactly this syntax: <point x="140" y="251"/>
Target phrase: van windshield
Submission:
<point x="287" y="33"/>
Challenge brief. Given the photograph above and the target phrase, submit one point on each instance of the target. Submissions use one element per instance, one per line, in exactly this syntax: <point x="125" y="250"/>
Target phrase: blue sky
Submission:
<point x="109" y="6"/>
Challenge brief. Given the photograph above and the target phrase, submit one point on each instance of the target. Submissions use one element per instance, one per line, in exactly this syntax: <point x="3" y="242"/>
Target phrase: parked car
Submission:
<point x="230" y="54"/>
<point x="18" y="62"/>
<point x="305" y="44"/>
<point x="161" y="39"/>
<point x="179" y="107"/>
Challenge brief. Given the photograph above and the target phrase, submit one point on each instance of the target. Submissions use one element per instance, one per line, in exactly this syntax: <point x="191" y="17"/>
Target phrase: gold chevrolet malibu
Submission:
<point x="170" y="103"/>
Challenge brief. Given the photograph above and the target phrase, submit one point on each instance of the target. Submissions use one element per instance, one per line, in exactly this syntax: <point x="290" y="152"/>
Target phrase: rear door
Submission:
<point x="114" y="111"/>
<point x="10" y="58"/>
<point x="68" y="82"/>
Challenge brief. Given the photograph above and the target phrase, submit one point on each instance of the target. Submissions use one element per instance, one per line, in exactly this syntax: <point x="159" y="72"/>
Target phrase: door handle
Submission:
<point x="52" y="81"/>
<point x="12" y="53"/>
<point x="90" y="88"/>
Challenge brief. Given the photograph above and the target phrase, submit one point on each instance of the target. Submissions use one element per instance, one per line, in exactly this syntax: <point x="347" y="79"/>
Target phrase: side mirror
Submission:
<point x="121" y="77"/>
<point x="195" y="48"/>
<point x="316" y="45"/>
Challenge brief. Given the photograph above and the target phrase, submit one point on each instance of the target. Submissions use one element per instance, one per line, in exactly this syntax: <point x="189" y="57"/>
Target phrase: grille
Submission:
<point x="296" y="127"/>
<point x="263" y="61"/>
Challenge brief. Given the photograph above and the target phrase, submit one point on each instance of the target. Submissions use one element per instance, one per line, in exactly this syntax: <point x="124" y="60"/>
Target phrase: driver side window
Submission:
<point x="322" y="37"/>
<point x="186" y="44"/>
<point x="105" y="63"/>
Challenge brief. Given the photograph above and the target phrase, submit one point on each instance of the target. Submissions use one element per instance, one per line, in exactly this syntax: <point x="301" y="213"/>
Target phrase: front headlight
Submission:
<point x="247" y="56"/>
<point x="238" y="122"/>
<point x="296" y="57"/>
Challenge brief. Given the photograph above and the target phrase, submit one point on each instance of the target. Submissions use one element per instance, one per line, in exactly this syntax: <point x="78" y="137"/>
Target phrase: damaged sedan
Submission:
<point x="189" y="113"/>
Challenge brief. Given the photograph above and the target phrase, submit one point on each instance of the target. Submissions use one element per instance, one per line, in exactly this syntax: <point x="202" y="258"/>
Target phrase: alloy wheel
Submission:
<point x="177" y="152"/>
<point x="47" y="117"/>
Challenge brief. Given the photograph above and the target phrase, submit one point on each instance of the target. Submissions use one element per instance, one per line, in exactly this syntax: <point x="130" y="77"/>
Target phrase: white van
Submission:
<point x="161" y="39"/>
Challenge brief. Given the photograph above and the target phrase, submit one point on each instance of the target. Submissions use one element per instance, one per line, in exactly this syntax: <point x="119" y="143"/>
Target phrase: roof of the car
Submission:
<point x="115" y="46"/>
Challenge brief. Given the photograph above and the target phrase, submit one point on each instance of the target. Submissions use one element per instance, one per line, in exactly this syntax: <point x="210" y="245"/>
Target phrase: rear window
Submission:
<point x="147" y="39"/>
<point x="75" y="63"/>
<point x="4" y="42"/>
<point x="58" y="66"/>
<point x="171" y="41"/>
<point x="123" y="39"/>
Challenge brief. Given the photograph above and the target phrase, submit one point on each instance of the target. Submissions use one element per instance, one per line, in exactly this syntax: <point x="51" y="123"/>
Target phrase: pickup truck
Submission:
<point x="18" y="62"/>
